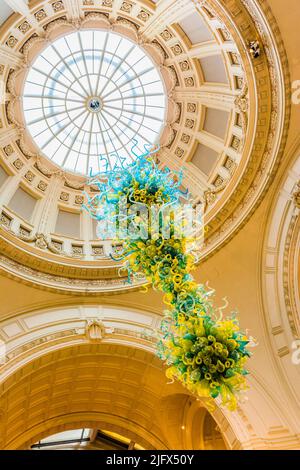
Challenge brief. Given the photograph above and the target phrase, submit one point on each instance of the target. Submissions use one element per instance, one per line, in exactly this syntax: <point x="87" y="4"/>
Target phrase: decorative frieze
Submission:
<point x="174" y="75"/>
<point x="25" y="149"/>
<point x="240" y="106"/>
<point x="178" y="112"/>
<point x="130" y="24"/>
<point x="171" y="139"/>
<point x="159" y="46"/>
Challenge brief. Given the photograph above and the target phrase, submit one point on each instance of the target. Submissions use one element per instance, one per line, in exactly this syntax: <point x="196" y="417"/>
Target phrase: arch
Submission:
<point x="91" y="420"/>
<point x="32" y="338"/>
<point x="280" y="277"/>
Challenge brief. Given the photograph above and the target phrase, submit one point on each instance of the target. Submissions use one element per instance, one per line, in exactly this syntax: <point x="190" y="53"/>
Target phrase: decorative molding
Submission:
<point x="241" y="103"/>
<point x="96" y="330"/>
<point x="71" y="286"/>
<point x="41" y="241"/>
<point x="296" y="195"/>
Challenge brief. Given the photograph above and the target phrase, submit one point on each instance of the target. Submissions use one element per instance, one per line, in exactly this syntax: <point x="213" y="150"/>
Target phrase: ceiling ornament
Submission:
<point x="42" y="242"/>
<point x="96" y="330"/>
<point x="25" y="148"/>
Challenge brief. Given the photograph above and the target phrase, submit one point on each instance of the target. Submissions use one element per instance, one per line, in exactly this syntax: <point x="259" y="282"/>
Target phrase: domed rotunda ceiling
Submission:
<point x="91" y="93"/>
<point x="84" y="78"/>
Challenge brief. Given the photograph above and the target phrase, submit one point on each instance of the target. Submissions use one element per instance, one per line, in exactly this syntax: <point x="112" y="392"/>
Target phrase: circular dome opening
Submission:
<point x="94" y="105"/>
<point x="90" y="94"/>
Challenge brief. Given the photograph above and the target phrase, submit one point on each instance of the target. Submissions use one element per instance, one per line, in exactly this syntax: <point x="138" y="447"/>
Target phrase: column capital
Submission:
<point x="10" y="57"/>
<point x="19" y="6"/>
<point x="73" y="9"/>
<point x="8" y="134"/>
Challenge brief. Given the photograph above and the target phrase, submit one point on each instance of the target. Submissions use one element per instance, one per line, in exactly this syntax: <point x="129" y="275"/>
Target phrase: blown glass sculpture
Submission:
<point x="205" y="352"/>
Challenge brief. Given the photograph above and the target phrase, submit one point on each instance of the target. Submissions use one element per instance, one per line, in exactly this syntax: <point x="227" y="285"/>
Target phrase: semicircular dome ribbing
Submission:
<point x="90" y="93"/>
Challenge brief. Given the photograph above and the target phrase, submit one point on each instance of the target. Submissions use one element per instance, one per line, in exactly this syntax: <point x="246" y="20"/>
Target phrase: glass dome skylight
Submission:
<point x="89" y="94"/>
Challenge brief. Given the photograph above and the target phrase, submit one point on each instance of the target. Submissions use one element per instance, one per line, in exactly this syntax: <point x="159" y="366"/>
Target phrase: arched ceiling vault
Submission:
<point x="101" y="386"/>
<point x="105" y="356"/>
<point x="84" y="381"/>
<point x="226" y="124"/>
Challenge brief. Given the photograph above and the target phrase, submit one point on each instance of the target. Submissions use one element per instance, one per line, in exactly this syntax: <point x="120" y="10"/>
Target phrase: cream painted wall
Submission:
<point x="287" y="15"/>
<point x="20" y="298"/>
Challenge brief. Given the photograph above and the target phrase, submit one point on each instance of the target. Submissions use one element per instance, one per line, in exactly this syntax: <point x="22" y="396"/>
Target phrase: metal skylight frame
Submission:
<point x="100" y="68"/>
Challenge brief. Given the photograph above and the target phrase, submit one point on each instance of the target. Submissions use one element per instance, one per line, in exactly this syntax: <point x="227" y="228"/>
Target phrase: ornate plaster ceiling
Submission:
<point x="226" y="125"/>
